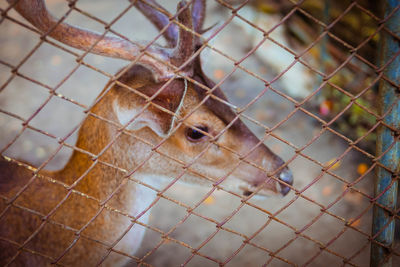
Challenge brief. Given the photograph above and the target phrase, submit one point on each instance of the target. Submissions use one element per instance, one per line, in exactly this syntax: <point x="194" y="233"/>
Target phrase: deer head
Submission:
<point x="161" y="116"/>
<point x="163" y="90"/>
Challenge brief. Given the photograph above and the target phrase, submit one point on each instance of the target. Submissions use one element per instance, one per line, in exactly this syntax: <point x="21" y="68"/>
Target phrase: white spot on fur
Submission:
<point x="125" y="115"/>
<point x="140" y="201"/>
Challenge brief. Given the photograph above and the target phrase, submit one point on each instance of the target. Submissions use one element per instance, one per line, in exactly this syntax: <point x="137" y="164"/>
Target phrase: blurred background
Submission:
<point x="324" y="80"/>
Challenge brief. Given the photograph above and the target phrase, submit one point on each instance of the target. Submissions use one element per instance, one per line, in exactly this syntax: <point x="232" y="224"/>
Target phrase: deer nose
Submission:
<point x="287" y="177"/>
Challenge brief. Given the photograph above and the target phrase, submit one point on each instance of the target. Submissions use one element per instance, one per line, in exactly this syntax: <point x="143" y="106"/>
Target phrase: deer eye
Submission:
<point x="195" y="135"/>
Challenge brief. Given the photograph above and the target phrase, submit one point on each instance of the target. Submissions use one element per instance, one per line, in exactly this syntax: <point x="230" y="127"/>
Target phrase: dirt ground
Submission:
<point x="50" y="65"/>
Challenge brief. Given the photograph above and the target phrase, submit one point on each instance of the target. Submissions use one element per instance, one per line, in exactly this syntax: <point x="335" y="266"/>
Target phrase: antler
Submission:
<point x="36" y="13"/>
<point x="185" y="46"/>
<point x="198" y="14"/>
<point x="161" y="17"/>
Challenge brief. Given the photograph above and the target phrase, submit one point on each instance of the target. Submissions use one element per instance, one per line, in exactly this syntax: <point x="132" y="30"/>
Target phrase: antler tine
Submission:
<point x="36" y="13"/>
<point x="198" y="14"/>
<point x="185" y="47"/>
<point x="159" y="17"/>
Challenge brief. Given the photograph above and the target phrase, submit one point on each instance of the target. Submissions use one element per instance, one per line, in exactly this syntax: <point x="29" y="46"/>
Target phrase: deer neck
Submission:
<point x="102" y="177"/>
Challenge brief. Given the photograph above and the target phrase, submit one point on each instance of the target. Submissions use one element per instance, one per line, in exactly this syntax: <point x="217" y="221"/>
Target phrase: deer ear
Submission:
<point x="135" y="112"/>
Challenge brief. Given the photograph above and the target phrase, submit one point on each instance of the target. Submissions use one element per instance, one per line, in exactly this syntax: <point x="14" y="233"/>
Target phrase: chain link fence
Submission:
<point x="305" y="76"/>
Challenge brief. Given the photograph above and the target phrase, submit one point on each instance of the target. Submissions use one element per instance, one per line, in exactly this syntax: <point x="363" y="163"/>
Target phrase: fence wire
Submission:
<point x="326" y="219"/>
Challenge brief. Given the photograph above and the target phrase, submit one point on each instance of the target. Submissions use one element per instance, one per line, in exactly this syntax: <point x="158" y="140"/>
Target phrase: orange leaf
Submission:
<point x="334" y="166"/>
<point x="219" y="74"/>
<point x="362" y="168"/>
<point x="209" y="201"/>
<point x="327" y="190"/>
<point x="356" y="222"/>
<point x="325" y="107"/>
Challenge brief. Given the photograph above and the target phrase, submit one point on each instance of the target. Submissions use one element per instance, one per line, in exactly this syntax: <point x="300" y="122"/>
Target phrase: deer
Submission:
<point x="159" y="119"/>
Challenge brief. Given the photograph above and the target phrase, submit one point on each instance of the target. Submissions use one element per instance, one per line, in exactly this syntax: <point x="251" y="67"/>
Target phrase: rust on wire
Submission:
<point x="349" y="57"/>
<point x="388" y="144"/>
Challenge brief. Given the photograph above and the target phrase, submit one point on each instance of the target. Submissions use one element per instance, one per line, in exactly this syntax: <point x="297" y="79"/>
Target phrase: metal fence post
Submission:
<point x="387" y="142"/>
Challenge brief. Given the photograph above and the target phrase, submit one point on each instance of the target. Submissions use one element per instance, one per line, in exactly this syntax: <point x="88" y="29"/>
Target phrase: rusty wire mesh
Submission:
<point x="324" y="221"/>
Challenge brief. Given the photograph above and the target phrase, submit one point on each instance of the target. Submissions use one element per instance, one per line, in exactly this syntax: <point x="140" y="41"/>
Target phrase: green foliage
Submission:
<point x="356" y="121"/>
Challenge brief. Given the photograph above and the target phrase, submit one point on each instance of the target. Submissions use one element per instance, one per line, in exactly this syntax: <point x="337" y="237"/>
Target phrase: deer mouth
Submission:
<point x="249" y="189"/>
<point x="283" y="186"/>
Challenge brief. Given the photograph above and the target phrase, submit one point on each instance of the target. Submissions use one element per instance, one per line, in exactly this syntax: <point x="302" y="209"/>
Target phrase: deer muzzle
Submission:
<point x="266" y="174"/>
<point x="286" y="178"/>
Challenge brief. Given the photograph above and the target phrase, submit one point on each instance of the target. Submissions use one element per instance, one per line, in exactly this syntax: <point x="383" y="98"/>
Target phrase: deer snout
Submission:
<point x="284" y="175"/>
<point x="275" y="177"/>
<point x="287" y="178"/>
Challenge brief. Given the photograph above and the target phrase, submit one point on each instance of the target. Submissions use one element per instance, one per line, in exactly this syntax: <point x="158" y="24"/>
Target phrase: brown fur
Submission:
<point x="92" y="201"/>
<point x="126" y="152"/>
